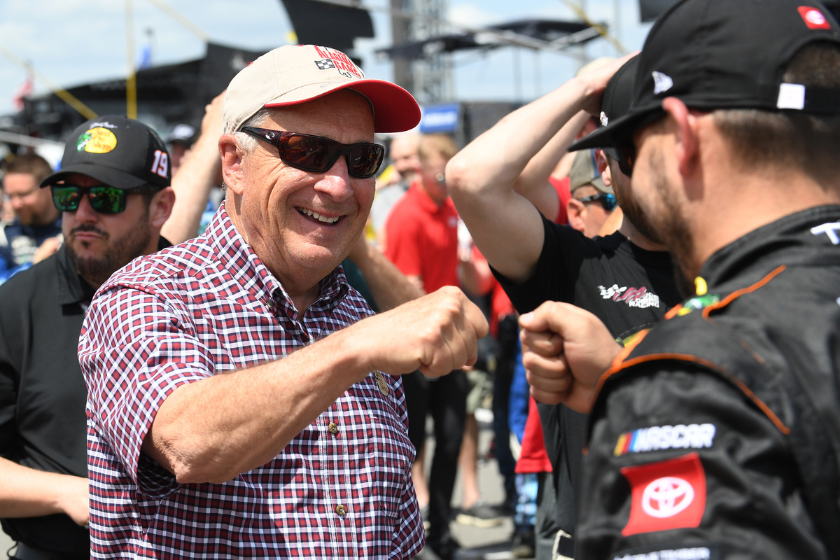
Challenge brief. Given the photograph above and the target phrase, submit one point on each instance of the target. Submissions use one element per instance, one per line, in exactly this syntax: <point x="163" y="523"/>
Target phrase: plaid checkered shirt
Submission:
<point x="340" y="489"/>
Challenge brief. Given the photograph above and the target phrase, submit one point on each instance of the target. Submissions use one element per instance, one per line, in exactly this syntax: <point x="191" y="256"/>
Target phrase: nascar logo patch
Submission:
<point x="658" y="438"/>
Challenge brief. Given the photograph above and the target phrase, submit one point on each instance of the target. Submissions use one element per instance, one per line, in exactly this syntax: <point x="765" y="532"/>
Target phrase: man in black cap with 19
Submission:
<point x="113" y="191"/>
<point x="716" y="434"/>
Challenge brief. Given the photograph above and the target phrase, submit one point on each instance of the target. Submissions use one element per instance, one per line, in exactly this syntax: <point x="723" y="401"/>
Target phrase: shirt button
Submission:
<point x="341" y="510"/>
<point x="271" y="305"/>
<point x="381" y="383"/>
<point x="333" y="428"/>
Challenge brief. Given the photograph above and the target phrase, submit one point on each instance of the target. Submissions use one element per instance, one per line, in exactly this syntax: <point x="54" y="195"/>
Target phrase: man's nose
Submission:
<point x="85" y="211"/>
<point x="336" y="181"/>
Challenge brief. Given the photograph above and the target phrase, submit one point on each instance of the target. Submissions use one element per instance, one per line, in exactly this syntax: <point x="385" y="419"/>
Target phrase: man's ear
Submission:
<point x="576" y="212"/>
<point x="603" y="167"/>
<point x="232" y="156"/>
<point x="161" y="207"/>
<point x="686" y="135"/>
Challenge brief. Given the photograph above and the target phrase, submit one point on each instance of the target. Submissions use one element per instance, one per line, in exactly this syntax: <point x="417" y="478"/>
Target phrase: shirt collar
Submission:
<point x="249" y="271"/>
<point x="424" y="201"/>
<point x="789" y="236"/>
<point x="71" y="287"/>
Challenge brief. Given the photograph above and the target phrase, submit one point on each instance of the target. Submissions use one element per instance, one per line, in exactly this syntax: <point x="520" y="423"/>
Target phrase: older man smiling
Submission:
<point x="228" y="418"/>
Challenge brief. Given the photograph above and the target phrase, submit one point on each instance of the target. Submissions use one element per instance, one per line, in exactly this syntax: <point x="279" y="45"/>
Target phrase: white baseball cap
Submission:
<point x="293" y="74"/>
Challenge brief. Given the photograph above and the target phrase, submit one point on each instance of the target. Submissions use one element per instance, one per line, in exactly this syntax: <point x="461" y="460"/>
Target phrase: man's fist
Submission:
<point x="565" y="350"/>
<point x="436" y="334"/>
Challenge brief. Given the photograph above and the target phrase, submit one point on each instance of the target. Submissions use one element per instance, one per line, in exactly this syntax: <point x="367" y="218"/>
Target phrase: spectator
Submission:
<point x="407" y="165"/>
<point x="113" y="208"/>
<point x="422" y="241"/>
<point x="180" y="141"/>
<point x="739" y="177"/>
<point x="196" y="177"/>
<point x="36" y="219"/>
<point x="626" y="279"/>
<point x="221" y="407"/>
<point x="592" y="201"/>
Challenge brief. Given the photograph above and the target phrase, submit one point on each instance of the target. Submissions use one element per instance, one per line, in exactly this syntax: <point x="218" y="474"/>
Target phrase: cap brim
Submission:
<point x="105" y="175"/>
<point x="394" y="109"/>
<point x="618" y="131"/>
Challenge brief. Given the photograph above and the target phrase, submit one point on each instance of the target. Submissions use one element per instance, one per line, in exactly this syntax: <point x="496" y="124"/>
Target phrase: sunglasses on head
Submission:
<point x="103" y="199"/>
<point x="608" y="201"/>
<point x="316" y="153"/>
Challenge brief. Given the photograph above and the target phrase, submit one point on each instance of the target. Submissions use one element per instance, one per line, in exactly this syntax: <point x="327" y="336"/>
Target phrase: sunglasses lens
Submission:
<point x="65" y="199"/>
<point x="609" y="202"/>
<point x="107" y="200"/>
<point x="628" y="157"/>
<point x="309" y="153"/>
<point x="364" y="160"/>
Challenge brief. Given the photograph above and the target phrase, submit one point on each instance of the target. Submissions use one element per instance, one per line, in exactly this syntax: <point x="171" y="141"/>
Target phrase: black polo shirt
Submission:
<point x="627" y="287"/>
<point x="42" y="391"/>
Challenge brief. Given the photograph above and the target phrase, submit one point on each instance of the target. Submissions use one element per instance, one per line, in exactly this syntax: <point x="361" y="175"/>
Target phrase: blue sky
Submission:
<point x="78" y="41"/>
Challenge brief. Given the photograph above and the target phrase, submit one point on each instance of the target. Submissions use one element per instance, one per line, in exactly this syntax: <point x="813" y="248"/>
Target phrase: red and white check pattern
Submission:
<point x="210" y="305"/>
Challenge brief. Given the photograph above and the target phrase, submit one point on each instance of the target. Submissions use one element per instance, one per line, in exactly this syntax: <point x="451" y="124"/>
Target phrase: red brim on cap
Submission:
<point x="394" y="109"/>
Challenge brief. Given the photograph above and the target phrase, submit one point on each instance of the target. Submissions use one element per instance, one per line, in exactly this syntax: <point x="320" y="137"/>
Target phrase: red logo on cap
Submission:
<point x="814" y="18"/>
<point x="666" y="495"/>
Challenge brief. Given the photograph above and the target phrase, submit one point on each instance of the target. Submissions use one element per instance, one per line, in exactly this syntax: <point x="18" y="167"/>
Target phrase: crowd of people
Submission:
<point x="230" y="344"/>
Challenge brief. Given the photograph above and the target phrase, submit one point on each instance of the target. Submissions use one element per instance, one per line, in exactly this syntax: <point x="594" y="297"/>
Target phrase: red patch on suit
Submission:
<point x="814" y="18"/>
<point x="666" y="495"/>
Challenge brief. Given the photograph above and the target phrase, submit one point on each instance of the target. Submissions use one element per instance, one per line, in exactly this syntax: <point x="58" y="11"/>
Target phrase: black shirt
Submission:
<point x="42" y="390"/>
<point x="627" y="287"/>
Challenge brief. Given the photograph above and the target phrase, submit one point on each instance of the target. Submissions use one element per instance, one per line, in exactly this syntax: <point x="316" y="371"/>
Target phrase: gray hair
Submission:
<point x="245" y="141"/>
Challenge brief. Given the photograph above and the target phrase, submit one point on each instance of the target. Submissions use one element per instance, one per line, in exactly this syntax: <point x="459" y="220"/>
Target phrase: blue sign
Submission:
<point x="440" y="118"/>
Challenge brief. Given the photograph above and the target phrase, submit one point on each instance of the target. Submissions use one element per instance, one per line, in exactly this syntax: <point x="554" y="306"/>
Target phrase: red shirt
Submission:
<point x="210" y="305"/>
<point x="422" y="239"/>
<point x="533" y="457"/>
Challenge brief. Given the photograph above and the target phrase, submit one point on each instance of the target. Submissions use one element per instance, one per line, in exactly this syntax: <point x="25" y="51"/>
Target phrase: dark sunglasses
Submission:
<point x="319" y="154"/>
<point x="103" y="199"/>
<point x="607" y="200"/>
<point x="625" y="155"/>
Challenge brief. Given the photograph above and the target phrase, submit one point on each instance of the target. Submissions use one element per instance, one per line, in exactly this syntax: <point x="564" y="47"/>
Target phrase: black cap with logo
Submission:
<point x="117" y="151"/>
<point x="616" y="101"/>
<point x="725" y="54"/>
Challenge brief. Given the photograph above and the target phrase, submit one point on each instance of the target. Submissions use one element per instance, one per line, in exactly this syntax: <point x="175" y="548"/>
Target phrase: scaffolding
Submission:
<point x="429" y="78"/>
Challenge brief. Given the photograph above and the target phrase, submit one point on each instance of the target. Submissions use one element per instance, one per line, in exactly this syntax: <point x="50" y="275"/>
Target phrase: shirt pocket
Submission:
<point x="391" y="457"/>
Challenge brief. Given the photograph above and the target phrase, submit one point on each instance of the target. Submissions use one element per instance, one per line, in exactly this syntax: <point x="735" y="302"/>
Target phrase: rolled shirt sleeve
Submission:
<point x="134" y="351"/>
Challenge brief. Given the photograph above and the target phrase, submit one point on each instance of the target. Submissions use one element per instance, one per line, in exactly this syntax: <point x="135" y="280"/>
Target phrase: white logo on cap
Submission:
<point x="604" y="120"/>
<point x="667" y="496"/>
<point x="661" y="82"/>
<point x="791" y="96"/>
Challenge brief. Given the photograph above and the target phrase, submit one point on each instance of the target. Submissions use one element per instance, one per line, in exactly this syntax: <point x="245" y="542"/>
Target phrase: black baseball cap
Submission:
<point x="615" y="103"/>
<point x="725" y="54"/>
<point x="117" y="151"/>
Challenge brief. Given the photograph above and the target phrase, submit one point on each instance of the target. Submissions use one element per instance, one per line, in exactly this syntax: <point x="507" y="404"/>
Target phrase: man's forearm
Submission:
<point x="494" y="161"/>
<point x="533" y="182"/>
<point x="26" y="492"/>
<point x="196" y="177"/>
<point x="214" y="429"/>
<point x="481" y="178"/>
<point x="389" y="286"/>
<point x="192" y="185"/>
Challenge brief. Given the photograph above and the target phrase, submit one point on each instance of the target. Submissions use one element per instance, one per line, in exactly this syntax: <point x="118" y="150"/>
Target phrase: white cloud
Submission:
<point x="470" y="15"/>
